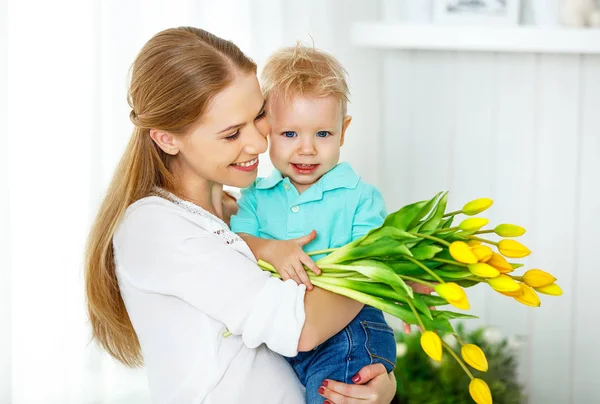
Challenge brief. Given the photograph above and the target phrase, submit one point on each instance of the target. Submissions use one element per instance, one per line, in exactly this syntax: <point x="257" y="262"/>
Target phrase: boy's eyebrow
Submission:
<point x="239" y="125"/>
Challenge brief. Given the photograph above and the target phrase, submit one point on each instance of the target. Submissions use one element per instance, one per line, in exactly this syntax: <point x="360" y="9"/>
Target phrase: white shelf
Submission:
<point x="476" y="38"/>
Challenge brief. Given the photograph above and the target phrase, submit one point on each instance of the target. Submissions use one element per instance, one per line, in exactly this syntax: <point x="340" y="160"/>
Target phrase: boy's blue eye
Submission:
<point x="289" y="134"/>
<point x="322" y="133"/>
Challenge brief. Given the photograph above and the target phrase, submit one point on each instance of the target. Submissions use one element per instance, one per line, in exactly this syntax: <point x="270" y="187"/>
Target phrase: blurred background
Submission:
<point x="484" y="98"/>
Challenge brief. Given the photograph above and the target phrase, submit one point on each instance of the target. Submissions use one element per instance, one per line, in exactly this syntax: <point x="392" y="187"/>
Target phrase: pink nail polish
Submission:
<point x="325" y="383"/>
<point x="356" y="379"/>
<point x="321" y="390"/>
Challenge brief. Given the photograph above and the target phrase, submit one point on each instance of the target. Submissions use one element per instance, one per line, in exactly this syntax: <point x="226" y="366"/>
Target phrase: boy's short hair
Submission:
<point x="302" y="70"/>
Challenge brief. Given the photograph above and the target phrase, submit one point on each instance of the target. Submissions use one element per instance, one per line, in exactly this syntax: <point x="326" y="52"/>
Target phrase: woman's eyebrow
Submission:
<point x="239" y="125"/>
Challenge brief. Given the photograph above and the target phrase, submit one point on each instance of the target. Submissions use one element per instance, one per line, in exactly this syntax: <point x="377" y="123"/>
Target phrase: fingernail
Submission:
<point x="326" y="402"/>
<point x="356" y="379"/>
<point x="325" y="383"/>
<point x="321" y="390"/>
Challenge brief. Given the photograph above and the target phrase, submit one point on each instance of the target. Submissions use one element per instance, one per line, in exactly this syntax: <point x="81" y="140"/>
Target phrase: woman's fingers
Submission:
<point x="342" y="393"/>
<point x="368" y="373"/>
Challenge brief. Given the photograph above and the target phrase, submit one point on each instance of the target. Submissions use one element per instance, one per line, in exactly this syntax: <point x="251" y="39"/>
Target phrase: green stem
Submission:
<point x="267" y="266"/>
<point x="415" y="280"/>
<point x="516" y="278"/>
<point x="325" y="251"/>
<point x="459" y="264"/>
<point x="447" y="229"/>
<point x="437" y="240"/>
<point x="485" y="231"/>
<point x="456" y="212"/>
<point x="226" y="334"/>
<point x="483" y="240"/>
<point x="414" y="310"/>
<point x="460" y="341"/>
<point x="429" y="271"/>
<point x="460" y="362"/>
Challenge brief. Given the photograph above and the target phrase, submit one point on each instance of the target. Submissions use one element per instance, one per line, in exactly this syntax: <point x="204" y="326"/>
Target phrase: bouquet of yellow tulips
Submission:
<point x="420" y="244"/>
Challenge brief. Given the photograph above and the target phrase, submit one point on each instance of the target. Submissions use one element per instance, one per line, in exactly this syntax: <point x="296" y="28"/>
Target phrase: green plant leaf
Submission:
<point x="425" y="252"/>
<point x="450" y="315"/>
<point x="434" y="221"/>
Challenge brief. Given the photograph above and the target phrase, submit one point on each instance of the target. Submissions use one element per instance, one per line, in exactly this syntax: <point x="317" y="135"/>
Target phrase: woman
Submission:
<point x="164" y="274"/>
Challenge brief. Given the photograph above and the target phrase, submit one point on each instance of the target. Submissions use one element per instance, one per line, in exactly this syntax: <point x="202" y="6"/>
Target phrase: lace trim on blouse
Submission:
<point x="224" y="233"/>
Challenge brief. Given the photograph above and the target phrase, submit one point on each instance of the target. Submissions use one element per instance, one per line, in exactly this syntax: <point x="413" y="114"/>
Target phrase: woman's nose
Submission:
<point x="257" y="142"/>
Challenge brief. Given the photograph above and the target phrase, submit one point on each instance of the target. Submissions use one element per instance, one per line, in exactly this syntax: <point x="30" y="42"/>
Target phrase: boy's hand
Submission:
<point x="419" y="288"/>
<point x="289" y="259"/>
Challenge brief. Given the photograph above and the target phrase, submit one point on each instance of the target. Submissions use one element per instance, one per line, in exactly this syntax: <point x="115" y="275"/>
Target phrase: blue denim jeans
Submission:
<point x="367" y="339"/>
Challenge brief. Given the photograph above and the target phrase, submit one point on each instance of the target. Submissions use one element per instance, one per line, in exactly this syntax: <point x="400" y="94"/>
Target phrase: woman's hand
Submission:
<point x="372" y="385"/>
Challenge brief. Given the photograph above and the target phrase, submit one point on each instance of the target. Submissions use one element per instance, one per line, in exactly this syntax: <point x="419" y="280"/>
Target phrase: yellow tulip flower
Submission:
<point x="516" y="293"/>
<point x="480" y="392"/>
<point x="529" y="297"/>
<point x="483" y="270"/>
<point x="473" y="224"/>
<point x="473" y="243"/>
<point x="504" y="284"/>
<point x="513" y="249"/>
<point x="509" y="230"/>
<point x="500" y="263"/>
<point x="475" y="357"/>
<point x="461" y="252"/>
<point x="553" y="290"/>
<point x="536" y="278"/>
<point x="432" y="345"/>
<point x="454" y="295"/>
<point x="476" y="206"/>
<point x="482" y="252"/>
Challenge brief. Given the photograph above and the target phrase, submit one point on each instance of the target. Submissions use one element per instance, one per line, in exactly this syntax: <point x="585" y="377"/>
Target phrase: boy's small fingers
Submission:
<point x="310" y="264"/>
<point x="301" y="273"/>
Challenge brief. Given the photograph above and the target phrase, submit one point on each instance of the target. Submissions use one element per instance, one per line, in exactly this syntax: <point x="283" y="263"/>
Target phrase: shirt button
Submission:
<point x="295" y="209"/>
<point x="286" y="187"/>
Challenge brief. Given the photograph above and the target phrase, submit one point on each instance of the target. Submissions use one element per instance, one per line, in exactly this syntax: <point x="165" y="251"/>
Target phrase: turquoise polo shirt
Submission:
<point x="340" y="207"/>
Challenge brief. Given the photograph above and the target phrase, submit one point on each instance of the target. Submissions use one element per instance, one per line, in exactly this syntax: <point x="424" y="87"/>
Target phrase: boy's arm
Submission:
<point x="286" y="256"/>
<point x="371" y="212"/>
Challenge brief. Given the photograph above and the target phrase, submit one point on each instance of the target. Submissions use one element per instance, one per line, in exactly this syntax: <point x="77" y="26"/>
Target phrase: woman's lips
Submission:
<point x="304" y="168"/>
<point x="247" y="166"/>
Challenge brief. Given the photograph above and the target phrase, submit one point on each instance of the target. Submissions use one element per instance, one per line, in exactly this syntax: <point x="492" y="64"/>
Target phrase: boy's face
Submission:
<point x="305" y="138"/>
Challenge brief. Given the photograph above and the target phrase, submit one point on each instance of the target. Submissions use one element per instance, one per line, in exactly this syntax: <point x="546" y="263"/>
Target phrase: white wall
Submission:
<point x="523" y="130"/>
<point x="5" y="312"/>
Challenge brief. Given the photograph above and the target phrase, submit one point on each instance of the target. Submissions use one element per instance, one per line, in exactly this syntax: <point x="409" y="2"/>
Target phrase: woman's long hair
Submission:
<point x="173" y="79"/>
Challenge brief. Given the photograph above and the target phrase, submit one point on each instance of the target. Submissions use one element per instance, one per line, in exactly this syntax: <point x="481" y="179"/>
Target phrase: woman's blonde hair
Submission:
<point x="173" y="79"/>
<point x="301" y="70"/>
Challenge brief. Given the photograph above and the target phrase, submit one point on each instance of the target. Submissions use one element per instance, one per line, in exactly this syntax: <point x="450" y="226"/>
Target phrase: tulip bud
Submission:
<point x="482" y="252"/>
<point x="516" y="293"/>
<point x="552" y="290"/>
<point x="513" y="249"/>
<point x="454" y="295"/>
<point x="529" y="297"/>
<point x="473" y="224"/>
<point x="504" y="283"/>
<point x="536" y="278"/>
<point x="432" y="345"/>
<point x="483" y="270"/>
<point x="480" y="392"/>
<point x="473" y="243"/>
<point x="475" y="357"/>
<point x="509" y="230"/>
<point x="500" y="263"/>
<point x="461" y="252"/>
<point x="476" y="206"/>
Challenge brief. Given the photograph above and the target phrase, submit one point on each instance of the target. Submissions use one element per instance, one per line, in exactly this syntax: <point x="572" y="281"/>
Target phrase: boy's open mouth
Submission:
<point x="304" y="168"/>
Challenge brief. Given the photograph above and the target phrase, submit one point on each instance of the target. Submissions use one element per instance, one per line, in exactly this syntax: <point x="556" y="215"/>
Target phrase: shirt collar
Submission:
<point x="340" y="176"/>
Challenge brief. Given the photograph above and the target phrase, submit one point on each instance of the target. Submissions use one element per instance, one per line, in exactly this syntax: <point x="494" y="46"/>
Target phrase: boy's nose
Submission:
<point x="307" y="148"/>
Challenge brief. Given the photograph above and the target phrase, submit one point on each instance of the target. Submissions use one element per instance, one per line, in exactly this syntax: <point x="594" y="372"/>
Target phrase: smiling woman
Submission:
<point x="165" y="276"/>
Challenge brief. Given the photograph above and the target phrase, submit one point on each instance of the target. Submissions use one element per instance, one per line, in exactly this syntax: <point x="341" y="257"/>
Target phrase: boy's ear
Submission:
<point x="165" y="141"/>
<point x="345" y="124"/>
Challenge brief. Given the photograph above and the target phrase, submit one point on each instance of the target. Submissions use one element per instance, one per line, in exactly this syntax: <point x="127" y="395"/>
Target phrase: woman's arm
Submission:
<point x="326" y="314"/>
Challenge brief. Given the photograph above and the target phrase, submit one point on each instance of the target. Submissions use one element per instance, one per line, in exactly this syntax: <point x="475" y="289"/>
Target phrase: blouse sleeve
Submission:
<point x="160" y="251"/>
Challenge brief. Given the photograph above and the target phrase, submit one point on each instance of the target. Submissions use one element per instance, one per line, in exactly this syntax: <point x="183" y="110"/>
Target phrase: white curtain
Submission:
<point x="63" y="126"/>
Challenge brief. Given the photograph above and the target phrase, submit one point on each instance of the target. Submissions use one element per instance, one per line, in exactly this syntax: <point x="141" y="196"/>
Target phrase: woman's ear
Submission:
<point x="165" y="141"/>
<point x="345" y="124"/>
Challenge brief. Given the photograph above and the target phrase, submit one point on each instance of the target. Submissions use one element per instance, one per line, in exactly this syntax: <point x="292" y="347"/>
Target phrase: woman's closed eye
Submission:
<point x="233" y="136"/>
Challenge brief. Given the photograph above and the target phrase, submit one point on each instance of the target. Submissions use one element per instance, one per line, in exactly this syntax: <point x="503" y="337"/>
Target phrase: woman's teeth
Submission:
<point x="247" y="164"/>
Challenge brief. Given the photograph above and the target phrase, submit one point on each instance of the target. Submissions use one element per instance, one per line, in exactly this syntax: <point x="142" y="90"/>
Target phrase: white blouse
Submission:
<point x="185" y="279"/>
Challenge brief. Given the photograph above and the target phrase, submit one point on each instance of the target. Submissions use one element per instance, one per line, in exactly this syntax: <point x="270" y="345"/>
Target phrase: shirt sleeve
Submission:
<point x="160" y="251"/>
<point x="371" y="212"/>
<point x="246" y="220"/>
